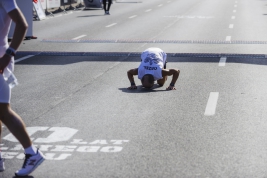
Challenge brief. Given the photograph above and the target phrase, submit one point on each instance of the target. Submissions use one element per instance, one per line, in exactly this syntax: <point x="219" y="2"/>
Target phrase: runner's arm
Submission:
<point x="19" y="34"/>
<point x="130" y="74"/>
<point x="171" y="72"/>
<point x="20" y="28"/>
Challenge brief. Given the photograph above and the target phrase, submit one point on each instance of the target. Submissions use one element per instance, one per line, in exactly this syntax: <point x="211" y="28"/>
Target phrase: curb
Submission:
<point x="135" y="54"/>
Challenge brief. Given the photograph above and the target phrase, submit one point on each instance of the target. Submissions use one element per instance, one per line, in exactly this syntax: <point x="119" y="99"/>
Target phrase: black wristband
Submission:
<point x="132" y="83"/>
<point x="172" y="84"/>
<point x="10" y="51"/>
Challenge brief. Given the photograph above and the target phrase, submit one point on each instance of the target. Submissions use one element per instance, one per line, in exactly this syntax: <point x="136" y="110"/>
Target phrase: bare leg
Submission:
<point x="15" y="124"/>
<point x="162" y="81"/>
<point x="2" y="164"/>
<point x="0" y="136"/>
<point x="0" y="130"/>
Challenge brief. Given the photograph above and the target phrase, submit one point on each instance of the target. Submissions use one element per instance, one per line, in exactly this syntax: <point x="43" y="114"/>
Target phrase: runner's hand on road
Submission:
<point x="171" y="88"/>
<point x="4" y="61"/>
<point x="132" y="87"/>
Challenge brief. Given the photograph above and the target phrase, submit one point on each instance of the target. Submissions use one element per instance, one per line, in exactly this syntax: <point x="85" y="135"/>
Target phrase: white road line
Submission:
<point x="234" y="11"/>
<point x="23" y="58"/>
<point x="160" y="5"/>
<point x="235" y="5"/>
<point x="148" y="10"/>
<point x="231" y="26"/>
<point x="228" y="38"/>
<point x="133" y="16"/>
<point x="222" y="61"/>
<point x="111" y="25"/>
<point x="168" y="1"/>
<point x="236" y="1"/>
<point x="233" y="17"/>
<point x="212" y="103"/>
<point x="78" y="37"/>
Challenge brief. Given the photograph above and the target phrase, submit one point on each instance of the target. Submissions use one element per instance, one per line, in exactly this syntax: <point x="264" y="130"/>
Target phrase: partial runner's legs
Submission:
<point x="0" y="130"/>
<point x="106" y="9"/>
<point x="15" y="124"/>
<point x="7" y="116"/>
<point x="162" y="81"/>
<point x="105" y="5"/>
<point x="2" y="164"/>
<point x="109" y="4"/>
<point x="17" y="127"/>
<point x="33" y="157"/>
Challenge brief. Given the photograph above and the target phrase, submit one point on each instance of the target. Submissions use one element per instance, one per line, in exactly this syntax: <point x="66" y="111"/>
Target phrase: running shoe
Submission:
<point x="31" y="162"/>
<point x="2" y="165"/>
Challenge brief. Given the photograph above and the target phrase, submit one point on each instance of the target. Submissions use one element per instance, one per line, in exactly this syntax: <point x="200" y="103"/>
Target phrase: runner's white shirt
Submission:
<point x="153" y="60"/>
<point x="5" y="22"/>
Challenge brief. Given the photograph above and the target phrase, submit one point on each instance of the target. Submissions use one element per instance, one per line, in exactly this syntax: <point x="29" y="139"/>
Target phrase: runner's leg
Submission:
<point x="105" y="5"/>
<point x="109" y="4"/>
<point x="164" y="79"/>
<point x="15" y="124"/>
<point x="0" y="134"/>
<point x="0" y="140"/>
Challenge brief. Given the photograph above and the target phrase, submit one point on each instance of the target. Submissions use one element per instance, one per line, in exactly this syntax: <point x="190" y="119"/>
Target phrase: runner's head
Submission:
<point x="148" y="81"/>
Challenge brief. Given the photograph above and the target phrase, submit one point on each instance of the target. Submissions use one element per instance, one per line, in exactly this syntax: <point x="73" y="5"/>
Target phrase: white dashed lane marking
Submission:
<point x="23" y="58"/>
<point x="111" y="25"/>
<point x="228" y="38"/>
<point x="148" y="10"/>
<point x="212" y="104"/>
<point x="79" y="37"/>
<point x="222" y="61"/>
<point x="231" y="26"/>
<point x="233" y="17"/>
<point x="133" y="16"/>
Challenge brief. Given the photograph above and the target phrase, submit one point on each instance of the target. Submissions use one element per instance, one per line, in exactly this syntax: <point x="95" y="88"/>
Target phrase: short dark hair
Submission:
<point x="150" y="79"/>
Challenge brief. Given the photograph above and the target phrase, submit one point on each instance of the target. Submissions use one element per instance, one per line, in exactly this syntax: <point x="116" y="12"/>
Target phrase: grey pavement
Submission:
<point x="79" y="112"/>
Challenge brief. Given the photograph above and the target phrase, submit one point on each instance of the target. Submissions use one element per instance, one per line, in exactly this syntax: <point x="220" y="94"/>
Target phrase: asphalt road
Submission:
<point x="80" y="114"/>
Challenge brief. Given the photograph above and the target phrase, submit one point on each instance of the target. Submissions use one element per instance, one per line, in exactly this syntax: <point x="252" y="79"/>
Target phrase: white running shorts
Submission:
<point x="5" y="90"/>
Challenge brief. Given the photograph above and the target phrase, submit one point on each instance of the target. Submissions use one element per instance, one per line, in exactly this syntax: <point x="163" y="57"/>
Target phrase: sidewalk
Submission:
<point x="72" y="6"/>
<point x="79" y="5"/>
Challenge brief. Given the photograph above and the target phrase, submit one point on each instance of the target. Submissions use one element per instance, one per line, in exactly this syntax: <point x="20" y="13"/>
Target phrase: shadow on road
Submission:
<point x="140" y="89"/>
<point x="64" y="58"/>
